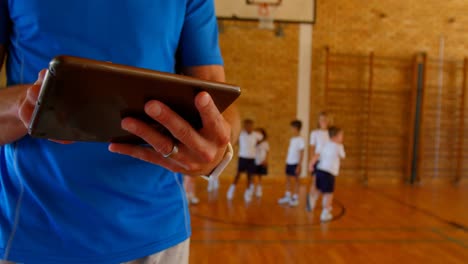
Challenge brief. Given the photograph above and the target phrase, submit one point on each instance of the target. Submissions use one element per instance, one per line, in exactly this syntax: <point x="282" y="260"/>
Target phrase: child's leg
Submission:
<point x="188" y="185"/>
<point x="288" y="184"/>
<point x="236" y="178"/>
<point x="313" y="188"/>
<point x="249" y="179"/>
<point x="296" y="185"/>
<point x="190" y="189"/>
<point x="327" y="201"/>
<point x="315" y="192"/>
<point x="328" y="189"/>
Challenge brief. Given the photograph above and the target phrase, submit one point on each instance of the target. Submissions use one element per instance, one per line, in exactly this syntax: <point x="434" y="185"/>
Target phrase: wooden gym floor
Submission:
<point x="380" y="224"/>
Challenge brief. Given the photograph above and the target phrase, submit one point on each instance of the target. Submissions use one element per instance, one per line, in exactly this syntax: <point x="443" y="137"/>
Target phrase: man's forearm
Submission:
<point x="11" y="127"/>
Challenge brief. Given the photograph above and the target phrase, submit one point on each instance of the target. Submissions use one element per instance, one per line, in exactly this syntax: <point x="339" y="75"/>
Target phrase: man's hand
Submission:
<point x="27" y="102"/>
<point x="16" y="108"/>
<point x="199" y="151"/>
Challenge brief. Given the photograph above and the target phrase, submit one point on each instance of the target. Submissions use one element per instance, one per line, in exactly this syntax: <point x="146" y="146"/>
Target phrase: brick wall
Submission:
<point x="393" y="30"/>
<point x="265" y="67"/>
<point x="389" y="28"/>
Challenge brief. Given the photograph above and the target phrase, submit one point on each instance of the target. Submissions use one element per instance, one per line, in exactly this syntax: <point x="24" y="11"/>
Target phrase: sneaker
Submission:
<point x="230" y="193"/>
<point x="286" y="199"/>
<point x="194" y="200"/>
<point x="248" y="195"/>
<point x="259" y="191"/>
<point x="326" y="215"/>
<point x="294" y="202"/>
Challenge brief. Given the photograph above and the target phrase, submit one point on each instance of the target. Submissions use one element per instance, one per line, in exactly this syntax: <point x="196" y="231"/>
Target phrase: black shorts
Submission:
<point x="246" y="165"/>
<point x="325" y="182"/>
<point x="291" y="170"/>
<point x="261" y="170"/>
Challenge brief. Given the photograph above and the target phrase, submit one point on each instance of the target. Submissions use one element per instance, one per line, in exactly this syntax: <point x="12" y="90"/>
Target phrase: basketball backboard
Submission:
<point x="287" y="11"/>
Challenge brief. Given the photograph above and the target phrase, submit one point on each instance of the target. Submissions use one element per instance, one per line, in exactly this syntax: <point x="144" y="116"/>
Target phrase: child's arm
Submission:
<point x="312" y="144"/>
<point x="265" y="162"/>
<point x="342" y="152"/>
<point x="313" y="157"/>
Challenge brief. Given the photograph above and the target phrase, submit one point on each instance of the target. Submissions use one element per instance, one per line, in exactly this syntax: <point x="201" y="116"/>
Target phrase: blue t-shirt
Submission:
<point x="79" y="203"/>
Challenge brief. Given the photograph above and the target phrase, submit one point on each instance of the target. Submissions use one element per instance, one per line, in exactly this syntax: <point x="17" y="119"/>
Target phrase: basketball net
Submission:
<point x="265" y="16"/>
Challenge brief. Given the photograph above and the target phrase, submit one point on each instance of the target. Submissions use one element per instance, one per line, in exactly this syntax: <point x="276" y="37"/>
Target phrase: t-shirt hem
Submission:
<point x="120" y="257"/>
<point x="328" y="171"/>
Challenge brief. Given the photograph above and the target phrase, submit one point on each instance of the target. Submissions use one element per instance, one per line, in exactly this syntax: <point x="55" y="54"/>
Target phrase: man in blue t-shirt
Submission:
<point x="95" y="202"/>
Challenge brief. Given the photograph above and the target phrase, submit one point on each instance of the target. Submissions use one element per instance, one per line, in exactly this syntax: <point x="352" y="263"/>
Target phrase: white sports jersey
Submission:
<point x="330" y="156"/>
<point x="247" y="144"/>
<point x="261" y="154"/>
<point x="296" y="145"/>
<point x="319" y="138"/>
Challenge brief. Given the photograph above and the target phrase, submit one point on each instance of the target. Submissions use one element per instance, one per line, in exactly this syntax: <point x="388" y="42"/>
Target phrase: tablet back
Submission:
<point x="85" y="100"/>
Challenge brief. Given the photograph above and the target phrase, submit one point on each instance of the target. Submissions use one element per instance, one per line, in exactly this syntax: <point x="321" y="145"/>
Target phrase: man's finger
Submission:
<point x="212" y="119"/>
<point x="158" y="141"/>
<point x="145" y="154"/>
<point x="41" y="76"/>
<point x="180" y="129"/>
<point x="25" y="113"/>
<point x="33" y="94"/>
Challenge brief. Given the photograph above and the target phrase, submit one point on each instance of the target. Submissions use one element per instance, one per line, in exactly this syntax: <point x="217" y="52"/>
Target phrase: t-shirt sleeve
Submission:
<point x="313" y="138"/>
<point x="4" y="22"/>
<point x="199" y="44"/>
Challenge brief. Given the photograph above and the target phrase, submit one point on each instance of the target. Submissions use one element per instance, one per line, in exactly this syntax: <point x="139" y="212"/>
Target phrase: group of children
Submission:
<point x="326" y="151"/>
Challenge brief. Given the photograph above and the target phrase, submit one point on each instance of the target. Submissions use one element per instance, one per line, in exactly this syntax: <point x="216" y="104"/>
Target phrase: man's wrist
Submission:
<point x="227" y="157"/>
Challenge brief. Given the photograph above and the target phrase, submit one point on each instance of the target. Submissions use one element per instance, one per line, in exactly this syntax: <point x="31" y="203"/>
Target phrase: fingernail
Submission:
<point x="204" y="100"/>
<point x="129" y="126"/>
<point x="154" y="109"/>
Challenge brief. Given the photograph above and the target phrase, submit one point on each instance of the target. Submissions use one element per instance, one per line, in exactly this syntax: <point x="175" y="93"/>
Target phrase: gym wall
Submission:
<point x="265" y="67"/>
<point x="394" y="31"/>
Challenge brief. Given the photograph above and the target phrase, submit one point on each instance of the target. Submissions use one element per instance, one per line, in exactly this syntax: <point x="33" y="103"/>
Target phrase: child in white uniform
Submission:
<point x="261" y="161"/>
<point x="293" y="165"/>
<point x="248" y="140"/>
<point x="327" y="169"/>
<point x="318" y="138"/>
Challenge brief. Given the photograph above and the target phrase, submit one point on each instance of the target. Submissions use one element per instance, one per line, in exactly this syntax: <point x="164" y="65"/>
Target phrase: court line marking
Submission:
<point x="428" y="213"/>
<point x="449" y="238"/>
<point x="336" y="217"/>
<point x="421" y="210"/>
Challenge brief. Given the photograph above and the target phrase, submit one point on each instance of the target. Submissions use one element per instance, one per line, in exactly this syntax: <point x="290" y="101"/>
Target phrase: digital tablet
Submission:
<point x="86" y="100"/>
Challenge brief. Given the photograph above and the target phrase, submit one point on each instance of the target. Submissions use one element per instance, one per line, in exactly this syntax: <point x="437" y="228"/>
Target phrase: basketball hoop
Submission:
<point x="265" y="15"/>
